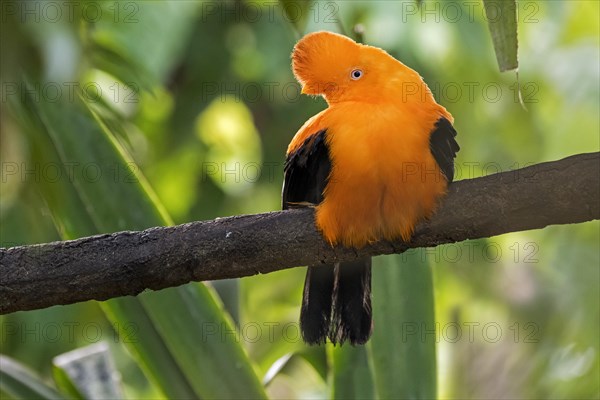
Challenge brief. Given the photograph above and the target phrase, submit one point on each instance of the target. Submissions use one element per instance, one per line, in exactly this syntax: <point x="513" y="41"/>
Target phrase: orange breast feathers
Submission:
<point x="384" y="174"/>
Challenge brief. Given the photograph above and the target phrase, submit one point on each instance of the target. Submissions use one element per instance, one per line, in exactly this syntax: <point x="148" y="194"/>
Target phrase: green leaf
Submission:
<point x="204" y="342"/>
<point x="18" y="382"/>
<point x="228" y="290"/>
<point x="352" y="376"/>
<point x="403" y="342"/>
<point x="75" y="217"/>
<point x="502" y="21"/>
<point x="137" y="331"/>
<point x="65" y="384"/>
<point x="316" y="356"/>
<point x="107" y="185"/>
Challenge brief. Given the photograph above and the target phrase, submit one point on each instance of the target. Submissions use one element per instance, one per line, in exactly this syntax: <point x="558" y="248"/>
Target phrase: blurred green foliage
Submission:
<point x="197" y="102"/>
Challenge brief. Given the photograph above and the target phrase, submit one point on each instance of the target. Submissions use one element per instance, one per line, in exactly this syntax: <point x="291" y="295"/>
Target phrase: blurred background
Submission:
<point x="132" y="114"/>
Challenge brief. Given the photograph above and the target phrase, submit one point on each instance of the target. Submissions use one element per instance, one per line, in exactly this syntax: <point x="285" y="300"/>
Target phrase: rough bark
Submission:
<point x="126" y="263"/>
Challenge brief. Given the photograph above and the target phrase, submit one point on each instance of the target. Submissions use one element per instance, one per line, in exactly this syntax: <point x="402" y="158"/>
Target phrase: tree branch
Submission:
<point x="125" y="263"/>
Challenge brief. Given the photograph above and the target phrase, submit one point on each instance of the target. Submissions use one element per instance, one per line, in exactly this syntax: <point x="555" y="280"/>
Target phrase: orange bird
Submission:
<point x="373" y="164"/>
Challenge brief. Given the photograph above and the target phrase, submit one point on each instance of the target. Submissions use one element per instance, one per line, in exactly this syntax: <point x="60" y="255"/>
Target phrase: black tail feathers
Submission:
<point x="337" y="303"/>
<point x="352" y="317"/>
<point x="315" y="314"/>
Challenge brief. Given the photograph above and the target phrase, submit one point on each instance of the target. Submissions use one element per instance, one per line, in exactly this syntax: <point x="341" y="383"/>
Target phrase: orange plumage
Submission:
<point x="373" y="164"/>
<point x="384" y="177"/>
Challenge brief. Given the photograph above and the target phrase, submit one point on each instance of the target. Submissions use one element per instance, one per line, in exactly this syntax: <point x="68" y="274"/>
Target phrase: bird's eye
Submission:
<point x="356" y="74"/>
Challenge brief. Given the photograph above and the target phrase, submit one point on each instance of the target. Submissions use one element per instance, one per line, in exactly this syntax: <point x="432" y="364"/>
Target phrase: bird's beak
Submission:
<point x="305" y="89"/>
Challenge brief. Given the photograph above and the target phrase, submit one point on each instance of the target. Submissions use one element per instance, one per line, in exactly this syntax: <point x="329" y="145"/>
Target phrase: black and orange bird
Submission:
<point x="373" y="164"/>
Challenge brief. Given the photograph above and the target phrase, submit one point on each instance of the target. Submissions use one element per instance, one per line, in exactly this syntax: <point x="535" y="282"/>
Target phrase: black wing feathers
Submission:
<point x="443" y="146"/>
<point x="336" y="301"/>
<point x="306" y="171"/>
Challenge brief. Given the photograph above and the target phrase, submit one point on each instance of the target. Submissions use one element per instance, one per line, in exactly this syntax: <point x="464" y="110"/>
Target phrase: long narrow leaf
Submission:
<point x="148" y="347"/>
<point x="502" y="21"/>
<point x="19" y="382"/>
<point x="65" y="384"/>
<point x="352" y="376"/>
<point x="207" y="344"/>
<point x="73" y="219"/>
<point x="116" y="196"/>
<point x="403" y="343"/>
